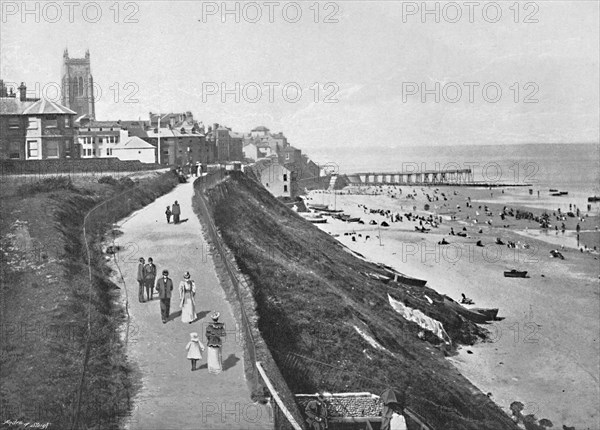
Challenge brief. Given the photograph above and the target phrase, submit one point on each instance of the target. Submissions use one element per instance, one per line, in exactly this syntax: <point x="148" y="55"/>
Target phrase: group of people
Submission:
<point x="146" y="275"/>
<point x="174" y="210"/>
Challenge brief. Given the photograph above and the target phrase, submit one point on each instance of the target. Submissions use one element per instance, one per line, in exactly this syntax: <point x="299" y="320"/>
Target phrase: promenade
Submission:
<point x="172" y="397"/>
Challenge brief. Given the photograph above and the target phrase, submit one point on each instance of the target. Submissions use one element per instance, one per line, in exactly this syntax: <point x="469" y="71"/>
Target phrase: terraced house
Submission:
<point x="35" y="129"/>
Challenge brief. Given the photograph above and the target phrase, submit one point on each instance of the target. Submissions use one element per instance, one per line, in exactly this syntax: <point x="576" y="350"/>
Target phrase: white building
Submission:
<point x="134" y="148"/>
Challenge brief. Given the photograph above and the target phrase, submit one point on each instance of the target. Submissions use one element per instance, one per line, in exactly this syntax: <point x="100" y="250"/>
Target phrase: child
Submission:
<point x="168" y="214"/>
<point x="194" y="348"/>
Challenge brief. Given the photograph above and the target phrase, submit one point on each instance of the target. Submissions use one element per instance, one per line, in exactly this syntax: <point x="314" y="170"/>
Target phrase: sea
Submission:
<point x="573" y="167"/>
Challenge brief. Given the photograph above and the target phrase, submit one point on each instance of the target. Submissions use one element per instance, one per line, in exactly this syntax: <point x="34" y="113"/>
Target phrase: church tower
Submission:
<point x="78" y="85"/>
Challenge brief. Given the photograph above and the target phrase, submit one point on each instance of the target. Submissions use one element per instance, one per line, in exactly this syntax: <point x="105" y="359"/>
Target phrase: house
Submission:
<point x="134" y="148"/>
<point x="251" y="152"/>
<point x="98" y="138"/>
<point x="35" y="129"/>
<point x="277" y="178"/>
<point x="260" y="131"/>
<point x="290" y="154"/>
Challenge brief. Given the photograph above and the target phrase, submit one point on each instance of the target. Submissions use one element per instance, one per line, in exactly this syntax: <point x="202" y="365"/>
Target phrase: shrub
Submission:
<point x="46" y="185"/>
<point x="109" y="180"/>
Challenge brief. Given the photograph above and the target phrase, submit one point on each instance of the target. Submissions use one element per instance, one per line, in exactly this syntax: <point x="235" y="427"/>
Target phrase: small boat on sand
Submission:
<point x="378" y="277"/>
<point x="515" y="274"/>
<point x="469" y="314"/>
<point x="593" y="199"/>
<point x="409" y="280"/>
<point x="553" y="190"/>
<point x="491" y="313"/>
<point x="353" y="220"/>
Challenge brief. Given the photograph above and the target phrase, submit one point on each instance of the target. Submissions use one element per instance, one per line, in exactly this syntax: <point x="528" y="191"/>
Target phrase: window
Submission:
<point x="94" y="152"/>
<point x="14" y="122"/>
<point x="86" y="140"/>
<point x="287" y="156"/>
<point x="33" y="123"/>
<point x="285" y="176"/>
<point x="52" y="149"/>
<point x="285" y="188"/>
<point x="80" y="86"/>
<point x="32" y="149"/>
<point x="67" y="122"/>
<point x="108" y="151"/>
<point x="14" y="149"/>
<point x="51" y="121"/>
<point x="68" y="147"/>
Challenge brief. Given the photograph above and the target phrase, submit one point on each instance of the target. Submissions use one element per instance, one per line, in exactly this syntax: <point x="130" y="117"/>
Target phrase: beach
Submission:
<point x="544" y="353"/>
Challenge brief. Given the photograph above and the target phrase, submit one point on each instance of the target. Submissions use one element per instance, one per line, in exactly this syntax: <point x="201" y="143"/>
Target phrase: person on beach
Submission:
<point x="195" y="348"/>
<point x="187" y="291"/>
<point x="164" y="286"/>
<point x="214" y="332"/>
<point x="141" y="280"/>
<point x="316" y="413"/>
<point x="176" y="211"/>
<point x="149" y="278"/>
<point x="168" y="214"/>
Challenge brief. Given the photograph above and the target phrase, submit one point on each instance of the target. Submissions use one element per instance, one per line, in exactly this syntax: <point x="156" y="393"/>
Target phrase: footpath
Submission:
<point x="171" y="396"/>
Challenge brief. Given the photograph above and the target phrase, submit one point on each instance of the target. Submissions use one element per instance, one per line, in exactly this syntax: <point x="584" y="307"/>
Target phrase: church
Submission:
<point x="78" y="85"/>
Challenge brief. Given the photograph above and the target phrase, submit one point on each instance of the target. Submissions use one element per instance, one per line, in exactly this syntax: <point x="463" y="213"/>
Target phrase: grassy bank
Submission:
<point x="45" y="294"/>
<point x="310" y="295"/>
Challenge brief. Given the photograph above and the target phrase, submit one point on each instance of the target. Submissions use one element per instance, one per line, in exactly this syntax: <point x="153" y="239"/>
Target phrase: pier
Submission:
<point x="428" y="177"/>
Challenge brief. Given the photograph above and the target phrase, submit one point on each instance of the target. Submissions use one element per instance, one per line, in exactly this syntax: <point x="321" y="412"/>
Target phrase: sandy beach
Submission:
<point x="545" y="352"/>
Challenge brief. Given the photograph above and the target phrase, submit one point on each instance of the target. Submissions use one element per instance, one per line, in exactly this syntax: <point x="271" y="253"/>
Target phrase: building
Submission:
<point x="134" y="148"/>
<point x="290" y="154"/>
<point x="260" y="131"/>
<point x="78" y="85"/>
<point x="229" y="145"/>
<point x="35" y="129"/>
<point x="277" y="178"/>
<point x="98" y="138"/>
<point x="251" y="152"/>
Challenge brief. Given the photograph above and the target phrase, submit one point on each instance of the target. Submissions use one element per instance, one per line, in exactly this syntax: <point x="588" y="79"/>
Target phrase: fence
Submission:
<point x="317" y="370"/>
<point x="94" y="223"/>
<point x="282" y="418"/>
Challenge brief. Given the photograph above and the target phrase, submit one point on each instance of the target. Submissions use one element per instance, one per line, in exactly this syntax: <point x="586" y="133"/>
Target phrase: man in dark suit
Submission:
<point x="316" y="413"/>
<point x="149" y="277"/>
<point x="141" y="279"/>
<point x="164" y="286"/>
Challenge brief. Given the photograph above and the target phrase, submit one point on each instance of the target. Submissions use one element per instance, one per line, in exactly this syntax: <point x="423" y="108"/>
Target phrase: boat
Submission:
<point x="317" y="206"/>
<point x="409" y="280"/>
<point x="515" y="274"/>
<point x="553" y="190"/>
<point x="563" y="193"/>
<point x="491" y="313"/>
<point x="353" y="220"/>
<point x="317" y="220"/>
<point x="469" y="314"/>
<point x="378" y="277"/>
<point x="593" y="199"/>
<point x="556" y="194"/>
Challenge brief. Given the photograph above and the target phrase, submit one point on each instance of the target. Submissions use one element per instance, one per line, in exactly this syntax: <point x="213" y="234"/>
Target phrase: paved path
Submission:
<point x="171" y="396"/>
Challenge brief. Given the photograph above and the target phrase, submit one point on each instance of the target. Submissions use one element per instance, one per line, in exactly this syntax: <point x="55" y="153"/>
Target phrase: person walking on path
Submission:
<point x="168" y="214"/>
<point x="149" y="278"/>
<point x="187" y="291"/>
<point x="141" y="280"/>
<point x="316" y="413"/>
<point x="176" y="210"/>
<point x="214" y="332"/>
<point x="164" y="286"/>
<point x="194" y="349"/>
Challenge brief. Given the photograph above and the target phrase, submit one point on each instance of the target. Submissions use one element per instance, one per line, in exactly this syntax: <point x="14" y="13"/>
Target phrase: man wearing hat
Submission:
<point x="316" y="413"/>
<point x="164" y="286"/>
<point x="141" y="280"/>
<point x="150" y="277"/>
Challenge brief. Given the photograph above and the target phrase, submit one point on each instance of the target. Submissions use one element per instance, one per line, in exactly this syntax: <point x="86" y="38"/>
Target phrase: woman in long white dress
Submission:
<point x="187" y="291"/>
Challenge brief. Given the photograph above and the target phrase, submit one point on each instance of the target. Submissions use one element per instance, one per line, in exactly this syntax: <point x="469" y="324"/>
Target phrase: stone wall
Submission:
<point x="81" y="165"/>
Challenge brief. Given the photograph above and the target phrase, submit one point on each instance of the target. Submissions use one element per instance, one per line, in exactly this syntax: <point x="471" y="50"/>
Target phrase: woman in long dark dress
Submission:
<point x="214" y="333"/>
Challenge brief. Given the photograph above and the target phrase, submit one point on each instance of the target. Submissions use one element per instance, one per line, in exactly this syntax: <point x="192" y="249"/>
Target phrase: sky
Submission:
<point x="355" y="73"/>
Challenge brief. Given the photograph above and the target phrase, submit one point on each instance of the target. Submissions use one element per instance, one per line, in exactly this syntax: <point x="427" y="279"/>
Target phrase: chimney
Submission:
<point x="22" y="92"/>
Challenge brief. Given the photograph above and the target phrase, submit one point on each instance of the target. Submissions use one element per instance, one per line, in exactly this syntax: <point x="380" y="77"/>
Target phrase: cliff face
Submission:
<point x="330" y="327"/>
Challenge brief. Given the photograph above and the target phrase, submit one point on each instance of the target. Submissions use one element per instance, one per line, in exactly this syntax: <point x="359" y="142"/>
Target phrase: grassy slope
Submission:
<point x="309" y="293"/>
<point x="44" y="306"/>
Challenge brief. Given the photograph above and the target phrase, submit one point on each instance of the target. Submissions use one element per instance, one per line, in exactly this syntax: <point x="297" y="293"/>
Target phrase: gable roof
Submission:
<point x="261" y="128"/>
<point x="133" y="142"/>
